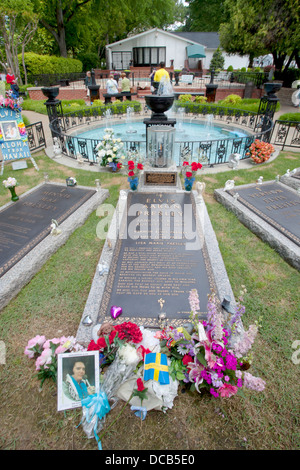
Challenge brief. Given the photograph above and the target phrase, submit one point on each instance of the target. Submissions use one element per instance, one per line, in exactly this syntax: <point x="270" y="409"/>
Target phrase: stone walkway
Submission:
<point x="70" y="162"/>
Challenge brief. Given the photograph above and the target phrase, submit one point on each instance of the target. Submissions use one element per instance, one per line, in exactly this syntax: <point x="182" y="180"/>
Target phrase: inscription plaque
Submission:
<point x="160" y="179"/>
<point x="156" y="271"/>
<point x="26" y="223"/>
<point x="274" y="203"/>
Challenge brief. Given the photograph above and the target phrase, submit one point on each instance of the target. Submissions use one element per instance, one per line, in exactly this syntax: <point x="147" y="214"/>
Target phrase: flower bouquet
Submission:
<point x="213" y="357"/>
<point x="260" y="151"/>
<point x="133" y="172"/>
<point x="189" y="172"/>
<point x="109" y="151"/>
<point x="11" y="184"/>
<point x="45" y="352"/>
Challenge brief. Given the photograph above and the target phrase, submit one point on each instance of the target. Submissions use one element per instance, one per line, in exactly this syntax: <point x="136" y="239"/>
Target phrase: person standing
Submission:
<point x="159" y="74"/>
<point x="87" y="82"/>
<point x="12" y="81"/>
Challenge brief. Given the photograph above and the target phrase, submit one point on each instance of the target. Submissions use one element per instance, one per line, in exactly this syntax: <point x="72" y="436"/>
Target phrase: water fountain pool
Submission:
<point x="189" y="135"/>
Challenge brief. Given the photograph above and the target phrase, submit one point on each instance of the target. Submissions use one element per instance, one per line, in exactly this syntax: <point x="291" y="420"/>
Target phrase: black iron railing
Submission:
<point x="210" y="152"/>
<point x="286" y="134"/>
<point x="36" y="136"/>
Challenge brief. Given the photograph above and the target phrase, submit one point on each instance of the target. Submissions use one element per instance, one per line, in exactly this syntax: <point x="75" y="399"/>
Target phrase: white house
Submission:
<point x="192" y="50"/>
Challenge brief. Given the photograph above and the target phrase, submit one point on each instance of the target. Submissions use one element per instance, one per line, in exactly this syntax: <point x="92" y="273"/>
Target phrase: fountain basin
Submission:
<point x="159" y="104"/>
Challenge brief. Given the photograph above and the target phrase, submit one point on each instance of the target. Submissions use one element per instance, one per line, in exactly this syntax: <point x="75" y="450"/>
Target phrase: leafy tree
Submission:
<point x="258" y="27"/>
<point x="205" y="15"/>
<point x="217" y="61"/>
<point x="18" y="24"/>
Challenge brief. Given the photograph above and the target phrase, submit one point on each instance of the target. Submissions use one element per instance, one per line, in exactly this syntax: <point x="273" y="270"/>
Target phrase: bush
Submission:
<point x="230" y="99"/>
<point x="185" y="98"/>
<point x="89" y="61"/>
<point x="230" y="68"/>
<point x="44" y="64"/>
<point x="288" y="77"/>
<point x="292" y="117"/>
<point x="217" y="62"/>
<point x="200" y="99"/>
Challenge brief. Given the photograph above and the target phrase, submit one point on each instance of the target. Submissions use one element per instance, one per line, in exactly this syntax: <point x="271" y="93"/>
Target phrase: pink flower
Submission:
<point x="227" y="390"/>
<point x="53" y="341"/>
<point x="37" y="342"/>
<point x="44" y="359"/>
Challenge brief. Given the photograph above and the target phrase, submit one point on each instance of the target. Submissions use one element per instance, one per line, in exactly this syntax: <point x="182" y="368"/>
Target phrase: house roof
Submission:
<point x="168" y="33"/>
<point x="208" y="39"/>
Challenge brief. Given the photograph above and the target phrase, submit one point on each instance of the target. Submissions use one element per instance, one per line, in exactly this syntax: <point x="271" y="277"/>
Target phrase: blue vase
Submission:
<point x="133" y="183"/>
<point x="188" y="184"/>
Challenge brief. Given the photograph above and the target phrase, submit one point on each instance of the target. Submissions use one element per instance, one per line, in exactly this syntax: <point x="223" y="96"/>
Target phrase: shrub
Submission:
<point x="230" y="68"/>
<point x="44" y="64"/>
<point x="217" y="61"/>
<point x="292" y="117"/>
<point x="231" y="99"/>
<point x="185" y="98"/>
<point x="200" y="99"/>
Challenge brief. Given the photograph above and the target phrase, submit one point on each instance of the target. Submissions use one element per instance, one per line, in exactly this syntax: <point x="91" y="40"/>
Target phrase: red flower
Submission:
<point x="130" y="167"/>
<point x="189" y="174"/>
<point x="140" y="166"/>
<point x="186" y="359"/>
<point x="119" y="165"/>
<point x="140" y="385"/>
<point x="131" y="173"/>
<point x="142" y="351"/>
<point x="130" y="332"/>
<point x="130" y="162"/>
<point x="185" y="164"/>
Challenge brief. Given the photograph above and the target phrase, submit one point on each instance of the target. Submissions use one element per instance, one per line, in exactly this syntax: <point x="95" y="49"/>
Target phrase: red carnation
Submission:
<point x="185" y="164"/>
<point x="189" y="174"/>
<point x="194" y="166"/>
<point x="119" y="165"/>
<point x="130" y="332"/>
<point x="140" y="385"/>
<point x="186" y="359"/>
<point x="131" y="173"/>
<point x="140" y="166"/>
<point x="130" y="162"/>
<point x="199" y="166"/>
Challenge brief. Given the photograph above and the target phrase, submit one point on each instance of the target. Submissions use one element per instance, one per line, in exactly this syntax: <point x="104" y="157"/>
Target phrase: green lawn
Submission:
<point x="53" y="302"/>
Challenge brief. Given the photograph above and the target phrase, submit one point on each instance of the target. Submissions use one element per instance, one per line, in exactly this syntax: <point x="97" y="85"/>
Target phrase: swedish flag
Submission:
<point x="156" y="368"/>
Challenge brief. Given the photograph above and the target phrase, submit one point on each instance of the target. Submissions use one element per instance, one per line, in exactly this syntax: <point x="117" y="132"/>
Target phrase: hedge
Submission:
<point x="45" y="64"/>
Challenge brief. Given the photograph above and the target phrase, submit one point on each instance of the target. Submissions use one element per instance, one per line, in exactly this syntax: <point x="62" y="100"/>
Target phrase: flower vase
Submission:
<point x="133" y="183"/>
<point x="188" y="184"/>
<point x="14" y="196"/>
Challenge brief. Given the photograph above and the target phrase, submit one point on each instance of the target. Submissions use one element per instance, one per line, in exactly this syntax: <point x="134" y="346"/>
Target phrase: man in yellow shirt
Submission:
<point x="159" y="74"/>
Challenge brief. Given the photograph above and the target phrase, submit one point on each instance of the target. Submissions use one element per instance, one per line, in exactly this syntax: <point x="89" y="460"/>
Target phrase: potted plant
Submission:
<point x="177" y="74"/>
<point x="189" y="171"/>
<point x="260" y="151"/>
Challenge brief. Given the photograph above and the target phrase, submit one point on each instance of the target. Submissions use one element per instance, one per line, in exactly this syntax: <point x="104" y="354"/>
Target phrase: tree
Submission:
<point x="205" y="15"/>
<point x="18" y="24"/>
<point x="217" y="61"/>
<point x="258" y="27"/>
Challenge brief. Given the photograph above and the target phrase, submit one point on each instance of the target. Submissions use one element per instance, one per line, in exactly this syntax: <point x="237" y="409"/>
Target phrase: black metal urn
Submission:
<point x="159" y="104"/>
<point x="51" y="92"/>
<point x="271" y="88"/>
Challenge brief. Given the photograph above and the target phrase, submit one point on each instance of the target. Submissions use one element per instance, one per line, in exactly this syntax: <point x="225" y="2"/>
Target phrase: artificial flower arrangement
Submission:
<point x="10" y="182"/>
<point x="109" y="151"/>
<point x="45" y="352"/>
<point x="260" y="151"/>
<point x="133" y="173"/>
<point x="8" y="102"/>
<point x="189" y="171"/>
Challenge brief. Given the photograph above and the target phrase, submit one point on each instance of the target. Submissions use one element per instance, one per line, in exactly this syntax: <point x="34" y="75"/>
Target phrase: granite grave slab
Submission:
<point x="25" y="235"/>
<point x="149" y="276"/>
<point x="272" y="211"/>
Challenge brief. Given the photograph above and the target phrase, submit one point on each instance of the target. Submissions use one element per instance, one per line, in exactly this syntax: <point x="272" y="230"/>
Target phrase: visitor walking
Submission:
<point x="87" y="82"/>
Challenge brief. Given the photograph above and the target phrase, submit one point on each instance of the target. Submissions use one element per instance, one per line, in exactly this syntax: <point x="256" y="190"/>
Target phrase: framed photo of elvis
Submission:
<point x="77" y="378"/>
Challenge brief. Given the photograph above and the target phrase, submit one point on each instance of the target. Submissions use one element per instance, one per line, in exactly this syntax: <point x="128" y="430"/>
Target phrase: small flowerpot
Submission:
<point x="14" y="196"/>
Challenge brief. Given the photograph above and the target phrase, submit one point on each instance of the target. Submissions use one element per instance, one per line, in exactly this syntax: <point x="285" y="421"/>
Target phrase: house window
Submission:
<point x="143" y="56"/>
<point x="121" y="60"/>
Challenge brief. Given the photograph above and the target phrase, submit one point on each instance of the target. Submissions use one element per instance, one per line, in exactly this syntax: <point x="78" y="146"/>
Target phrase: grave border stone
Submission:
<point x="91" y="310"/>
<point x="21" y="273"/>
<point x="286" y="248"/>
<point x="291" y="180"/>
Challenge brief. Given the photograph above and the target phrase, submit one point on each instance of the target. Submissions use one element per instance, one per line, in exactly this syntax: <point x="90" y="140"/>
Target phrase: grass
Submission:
<point x="53" y="302"/>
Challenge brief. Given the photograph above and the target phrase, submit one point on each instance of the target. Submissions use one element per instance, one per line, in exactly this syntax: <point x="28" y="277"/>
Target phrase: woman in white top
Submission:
<point x="112" y="86"/>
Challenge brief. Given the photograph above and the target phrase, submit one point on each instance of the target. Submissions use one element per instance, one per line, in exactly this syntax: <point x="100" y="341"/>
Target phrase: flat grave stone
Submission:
<point x="27" y="222"/>
<point x="272" y="211"/>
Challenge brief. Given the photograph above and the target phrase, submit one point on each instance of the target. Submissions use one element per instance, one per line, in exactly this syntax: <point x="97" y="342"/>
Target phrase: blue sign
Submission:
<point x="13" y="135"/>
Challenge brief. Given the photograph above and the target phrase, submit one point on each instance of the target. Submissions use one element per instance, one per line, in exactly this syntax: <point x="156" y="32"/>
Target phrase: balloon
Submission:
<point x="115" y="311"/>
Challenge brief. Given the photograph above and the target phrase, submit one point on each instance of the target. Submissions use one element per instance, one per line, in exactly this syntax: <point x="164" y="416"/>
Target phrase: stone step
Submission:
<point x="285" y="96"/>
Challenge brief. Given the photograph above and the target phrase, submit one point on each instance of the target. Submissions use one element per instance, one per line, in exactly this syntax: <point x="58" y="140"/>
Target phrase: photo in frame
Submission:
<point x="77" y="378"/>
<point x="10" y="131"/>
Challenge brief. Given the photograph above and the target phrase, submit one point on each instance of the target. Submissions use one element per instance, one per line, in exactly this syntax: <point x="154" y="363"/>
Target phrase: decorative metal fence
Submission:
<point x="286" y="134"/>
<point x="210" y="152"/>
<point x="36" y="136"/>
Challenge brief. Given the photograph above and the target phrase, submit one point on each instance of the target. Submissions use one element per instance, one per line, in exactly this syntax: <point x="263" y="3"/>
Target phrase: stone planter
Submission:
<point x="51" y="93"/>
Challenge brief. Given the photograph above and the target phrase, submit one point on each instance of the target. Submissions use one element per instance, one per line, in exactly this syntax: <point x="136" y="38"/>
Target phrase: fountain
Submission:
<point x="129" y="113"/>
<point x="107" y="115"/>
<point x="209" y="124"/>
<point x="180" y="114"/>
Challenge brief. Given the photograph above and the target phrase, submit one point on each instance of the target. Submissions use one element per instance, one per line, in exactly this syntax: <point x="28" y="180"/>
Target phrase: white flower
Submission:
<point x="10" y="182"/>
<point x="109" y="159"/>
<point x="129" y="355"/>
